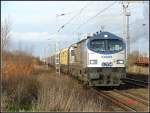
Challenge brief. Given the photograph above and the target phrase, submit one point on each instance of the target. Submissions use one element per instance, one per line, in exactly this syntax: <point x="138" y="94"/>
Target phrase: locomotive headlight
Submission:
<point x="93" y="61"/>
<point x="120" y="62"/>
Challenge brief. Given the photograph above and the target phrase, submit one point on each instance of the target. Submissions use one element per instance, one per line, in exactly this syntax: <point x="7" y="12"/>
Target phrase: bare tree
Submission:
<point x="5" y="34"/>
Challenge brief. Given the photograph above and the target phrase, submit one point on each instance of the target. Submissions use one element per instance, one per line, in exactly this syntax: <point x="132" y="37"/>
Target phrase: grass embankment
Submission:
<point x="138" y="69"/>
<point x="19" y="84"/>
<point x="28" y="86"/>
<point x="62" y="93"/>
<point x="133" y="68"/>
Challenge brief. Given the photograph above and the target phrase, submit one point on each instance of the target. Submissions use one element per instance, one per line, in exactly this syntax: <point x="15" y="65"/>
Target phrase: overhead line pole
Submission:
<point x="128" y="36"/>
<point x="126" y="30"/>
<point x="57" y="61"/>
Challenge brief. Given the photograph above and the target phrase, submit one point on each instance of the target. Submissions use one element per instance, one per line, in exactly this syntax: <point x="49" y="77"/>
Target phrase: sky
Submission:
<point x="34" y="24"/>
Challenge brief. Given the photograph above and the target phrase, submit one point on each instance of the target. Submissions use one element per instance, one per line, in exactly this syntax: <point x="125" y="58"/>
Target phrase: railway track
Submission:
<point x="133" y="96"/>
<point x="130" y="100"/>
<point x="127" y="101"/>
<point x="138" y="76"/>
<point x="114" y="100"/>
<point x="135" y="82"/>
<point x="137" y="95"/>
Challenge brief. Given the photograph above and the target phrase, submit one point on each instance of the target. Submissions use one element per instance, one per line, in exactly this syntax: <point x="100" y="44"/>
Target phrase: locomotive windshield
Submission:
<point x="114" y="45"/>
<point x="106" y="45"/>
<point x="97" y="45"/>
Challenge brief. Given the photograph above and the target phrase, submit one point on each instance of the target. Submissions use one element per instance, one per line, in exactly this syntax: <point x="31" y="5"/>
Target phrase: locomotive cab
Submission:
<point x="97" y="60"/>
<point x="106" y="59"/>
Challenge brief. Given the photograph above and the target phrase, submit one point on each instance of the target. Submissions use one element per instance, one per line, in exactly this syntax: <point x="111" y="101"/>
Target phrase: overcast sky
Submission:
<point x="34" y="23"/>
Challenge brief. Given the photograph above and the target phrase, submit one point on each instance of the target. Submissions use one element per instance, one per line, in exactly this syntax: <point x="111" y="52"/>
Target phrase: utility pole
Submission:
<point x="45" y="55"/>
<point x="79" y="36"/>
<point x="128" y="36"/>
<point x="57" y="48"/>
<point x="126" y="29"/>
<point x="57" y="63"/>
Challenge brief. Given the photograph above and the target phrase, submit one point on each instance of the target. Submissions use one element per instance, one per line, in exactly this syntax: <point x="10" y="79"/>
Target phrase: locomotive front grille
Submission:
<point x="105" y="76"/>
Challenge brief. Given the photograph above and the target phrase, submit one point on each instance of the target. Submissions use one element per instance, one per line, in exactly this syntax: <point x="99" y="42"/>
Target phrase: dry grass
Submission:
<point x="132" y="68"/>
<point x="19" y="85"/>
<point x="61" y="93"/>
<point x="17" y="64"/>
<point x="28" y="87"/>
<point x="138" y="69"/>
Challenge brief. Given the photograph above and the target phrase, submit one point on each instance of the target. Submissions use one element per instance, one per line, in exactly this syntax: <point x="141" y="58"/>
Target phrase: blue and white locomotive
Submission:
<point x="97" y="60"/>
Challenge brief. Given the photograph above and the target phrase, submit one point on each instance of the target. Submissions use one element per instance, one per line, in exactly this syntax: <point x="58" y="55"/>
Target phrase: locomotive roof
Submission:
<point x="103" y="35"/>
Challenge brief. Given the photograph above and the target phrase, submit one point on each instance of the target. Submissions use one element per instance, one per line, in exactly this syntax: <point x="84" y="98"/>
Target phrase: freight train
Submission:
<point x="97" y="60"/>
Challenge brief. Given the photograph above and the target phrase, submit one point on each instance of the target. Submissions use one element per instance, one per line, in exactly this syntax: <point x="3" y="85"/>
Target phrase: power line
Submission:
<point x="68" y="13"/>
<point x="131" y="26"/>
<point x="120" y="14"/>
<point x="97" y="14"/>
<point x="88" y="19"/>
<point x="132" y="23"/>
<point x="81" y="10"/>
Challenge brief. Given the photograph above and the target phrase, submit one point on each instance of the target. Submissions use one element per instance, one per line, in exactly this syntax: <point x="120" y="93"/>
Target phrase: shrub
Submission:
<point x="19" y="85"/>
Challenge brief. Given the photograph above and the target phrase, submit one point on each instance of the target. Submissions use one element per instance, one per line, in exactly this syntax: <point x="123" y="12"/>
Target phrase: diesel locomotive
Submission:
<point x="97" y="60"/>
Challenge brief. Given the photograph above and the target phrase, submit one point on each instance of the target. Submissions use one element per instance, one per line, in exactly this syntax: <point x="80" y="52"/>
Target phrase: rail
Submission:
<point x="135" y="82"/>
<point x="114" y="100"/>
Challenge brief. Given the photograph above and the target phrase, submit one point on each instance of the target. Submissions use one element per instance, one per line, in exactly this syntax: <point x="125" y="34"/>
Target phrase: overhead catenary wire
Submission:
<point x="63" y="14"/>
<point x="88" y="19"/>
<point x="68" y="13"/>
<point x="100" y="12"/>
<point x="81" y="10"/>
